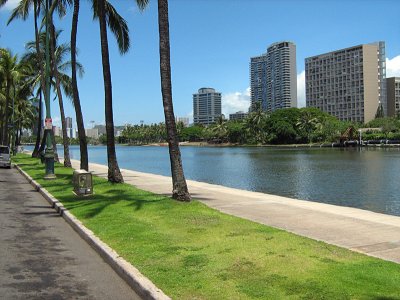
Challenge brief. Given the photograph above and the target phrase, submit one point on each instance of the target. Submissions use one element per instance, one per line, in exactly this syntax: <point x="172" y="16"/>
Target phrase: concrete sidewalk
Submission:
<point x="359" y="230"/>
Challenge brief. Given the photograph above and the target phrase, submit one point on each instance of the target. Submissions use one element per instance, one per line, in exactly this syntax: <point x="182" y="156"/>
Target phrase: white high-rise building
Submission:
<point x="206" y="106"/>
<point x="68" y="123"/>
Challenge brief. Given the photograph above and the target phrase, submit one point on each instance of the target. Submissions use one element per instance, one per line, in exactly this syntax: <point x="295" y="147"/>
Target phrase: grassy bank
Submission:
<point x="193" y="252"/>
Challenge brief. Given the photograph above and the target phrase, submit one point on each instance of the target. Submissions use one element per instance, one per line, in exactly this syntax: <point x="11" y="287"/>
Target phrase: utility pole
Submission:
<point x="49" y="152"/>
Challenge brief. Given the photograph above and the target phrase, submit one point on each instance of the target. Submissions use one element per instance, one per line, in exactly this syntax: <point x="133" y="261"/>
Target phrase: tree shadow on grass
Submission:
<point x="106" y="196"/>
<point x="105" y="193"/>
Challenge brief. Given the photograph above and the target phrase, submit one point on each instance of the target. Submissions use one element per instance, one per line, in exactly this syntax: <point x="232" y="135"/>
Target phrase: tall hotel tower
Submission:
<point x="206" y="106"/>
<point x="349" y="83"/>
<point x="273" y="77"/>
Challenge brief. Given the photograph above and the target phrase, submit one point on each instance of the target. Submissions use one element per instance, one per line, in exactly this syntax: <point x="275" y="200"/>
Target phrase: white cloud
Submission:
<point x="237" y="101"/>
<point x="393" y="66"/>
<point x="301" y="89"/>
<point x="10" y="5"/>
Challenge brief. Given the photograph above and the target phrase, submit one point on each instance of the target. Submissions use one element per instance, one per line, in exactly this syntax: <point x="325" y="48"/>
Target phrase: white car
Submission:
<point x="5" y="158"/>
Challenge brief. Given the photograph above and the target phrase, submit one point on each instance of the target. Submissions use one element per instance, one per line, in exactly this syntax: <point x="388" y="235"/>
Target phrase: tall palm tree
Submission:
<point x="55" y="63"/>
<point x="179" y="186"/>
<point x="107" y="14"/>
<point x="10" y="70"/>
<point x="75" y="93"/>
<point x="114" y="173"/>
<point x="22" y="11"/>
<point x="59" y="66"/>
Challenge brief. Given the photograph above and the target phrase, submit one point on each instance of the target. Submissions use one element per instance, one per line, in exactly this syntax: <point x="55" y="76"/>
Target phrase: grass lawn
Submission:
<point x="191" y="251"/>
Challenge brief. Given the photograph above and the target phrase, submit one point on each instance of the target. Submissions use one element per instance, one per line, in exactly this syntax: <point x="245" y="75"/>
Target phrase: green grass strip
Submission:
<point x="191" y="251"/>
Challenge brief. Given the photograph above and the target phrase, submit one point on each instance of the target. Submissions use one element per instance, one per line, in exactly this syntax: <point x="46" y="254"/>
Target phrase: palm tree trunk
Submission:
<point x="75" y="92"/>
<point x="39" y="53"/>
<point x="5" y="123"/>
<point x="114" y="173"/>
<point x="180" y="190"/>
<point x="67" y="161"/>
<point x="53" y="140"/>
<point x="35" y="152"/>
<point x="1" y="125"/>
<point x="43" y="143"/>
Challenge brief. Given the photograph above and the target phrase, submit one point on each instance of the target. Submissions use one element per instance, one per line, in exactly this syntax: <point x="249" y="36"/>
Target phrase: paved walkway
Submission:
<point x="41" y="256"/>
<point x="359" y="230"/>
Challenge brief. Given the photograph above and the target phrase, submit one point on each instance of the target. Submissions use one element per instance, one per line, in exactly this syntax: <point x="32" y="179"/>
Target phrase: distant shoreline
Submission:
<point x="226" y="145"/>
<point x="231" y="145"/>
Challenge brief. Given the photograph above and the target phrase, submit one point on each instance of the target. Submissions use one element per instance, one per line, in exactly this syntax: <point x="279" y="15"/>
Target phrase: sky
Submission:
<point x="211" y="45"/>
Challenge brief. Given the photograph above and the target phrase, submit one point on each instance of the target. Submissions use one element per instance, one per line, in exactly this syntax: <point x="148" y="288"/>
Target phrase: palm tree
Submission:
<point x="75" y="92"/>
<point x="10" y="71"/>
<point x="308" y="123"/>
<point x="22" y="11"/>
<point x="59" y="78"/>
<point x="255" y="123"/>
<point x="179" y="186"/>
<point x="56" y="59"/>
<point x="107" y="14"/>
<point x="114" y="173"/>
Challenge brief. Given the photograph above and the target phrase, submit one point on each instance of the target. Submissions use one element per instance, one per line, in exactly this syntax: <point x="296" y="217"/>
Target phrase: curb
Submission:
<point x="137" y="281"/>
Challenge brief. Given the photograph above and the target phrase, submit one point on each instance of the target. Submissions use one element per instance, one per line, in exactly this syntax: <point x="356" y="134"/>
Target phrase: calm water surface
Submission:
<point x="363" y="178"/>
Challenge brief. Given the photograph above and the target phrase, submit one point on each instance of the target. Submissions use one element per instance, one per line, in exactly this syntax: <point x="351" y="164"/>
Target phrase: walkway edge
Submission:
<point x="136" y="280"/>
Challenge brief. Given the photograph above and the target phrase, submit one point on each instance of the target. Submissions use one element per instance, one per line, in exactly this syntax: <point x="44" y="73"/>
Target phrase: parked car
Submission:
<point x="5" y="157"/>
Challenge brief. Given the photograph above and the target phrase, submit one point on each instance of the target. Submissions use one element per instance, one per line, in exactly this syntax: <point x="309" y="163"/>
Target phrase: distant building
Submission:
<point x="393" y="96"/>
<point x="68" y="124"/>
<point x="206" y="106"/>
<point x="57" y="131"/>
<point x="92" y="133"/>
<point x="184" y="120"/>
<point x="348" y="83"/>
<point x="273" y="78"/>
<point x="240" y="115"/>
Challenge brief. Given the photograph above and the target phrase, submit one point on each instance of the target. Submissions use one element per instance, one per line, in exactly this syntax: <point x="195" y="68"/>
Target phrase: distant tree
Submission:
<point x="235" y="132"/>
<point x="193" y="133"/>
<point x="255" y="125"/>
<point x="307" y="123"/>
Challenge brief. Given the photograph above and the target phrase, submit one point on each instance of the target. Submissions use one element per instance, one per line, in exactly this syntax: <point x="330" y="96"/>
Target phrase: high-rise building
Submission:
<point x="393" y="96"/>
<point x="348" y="83"/>
<point x="273" y="77"/>
<point x="239" y="115"/>
<point x="206" y="106"/>
<point x="68" y="124"/>
<point x="57" y="131"/>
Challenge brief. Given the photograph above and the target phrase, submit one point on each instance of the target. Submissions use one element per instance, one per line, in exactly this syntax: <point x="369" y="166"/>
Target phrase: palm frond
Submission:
<point x="142" y="4"/>
<point x="116" y="24"/>
<point x="21" y="11"/>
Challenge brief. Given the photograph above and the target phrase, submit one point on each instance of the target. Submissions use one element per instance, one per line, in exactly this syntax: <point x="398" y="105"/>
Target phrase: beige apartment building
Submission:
<point x="349" y="83"/>
<point x="393" y="96"/>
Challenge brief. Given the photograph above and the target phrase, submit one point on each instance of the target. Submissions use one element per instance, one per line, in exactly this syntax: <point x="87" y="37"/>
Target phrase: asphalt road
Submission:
<point x="41" y="256"/>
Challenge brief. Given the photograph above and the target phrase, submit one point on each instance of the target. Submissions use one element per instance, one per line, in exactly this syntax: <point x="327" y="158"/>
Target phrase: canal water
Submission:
<point x="366" y="178"/>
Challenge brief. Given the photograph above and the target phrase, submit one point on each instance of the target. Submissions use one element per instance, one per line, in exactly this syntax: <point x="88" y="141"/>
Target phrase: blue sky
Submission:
<point x="211" y="45"/>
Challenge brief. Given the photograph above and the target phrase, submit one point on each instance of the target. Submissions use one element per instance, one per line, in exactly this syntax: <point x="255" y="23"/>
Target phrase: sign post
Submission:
<point x="49" y="152"/>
